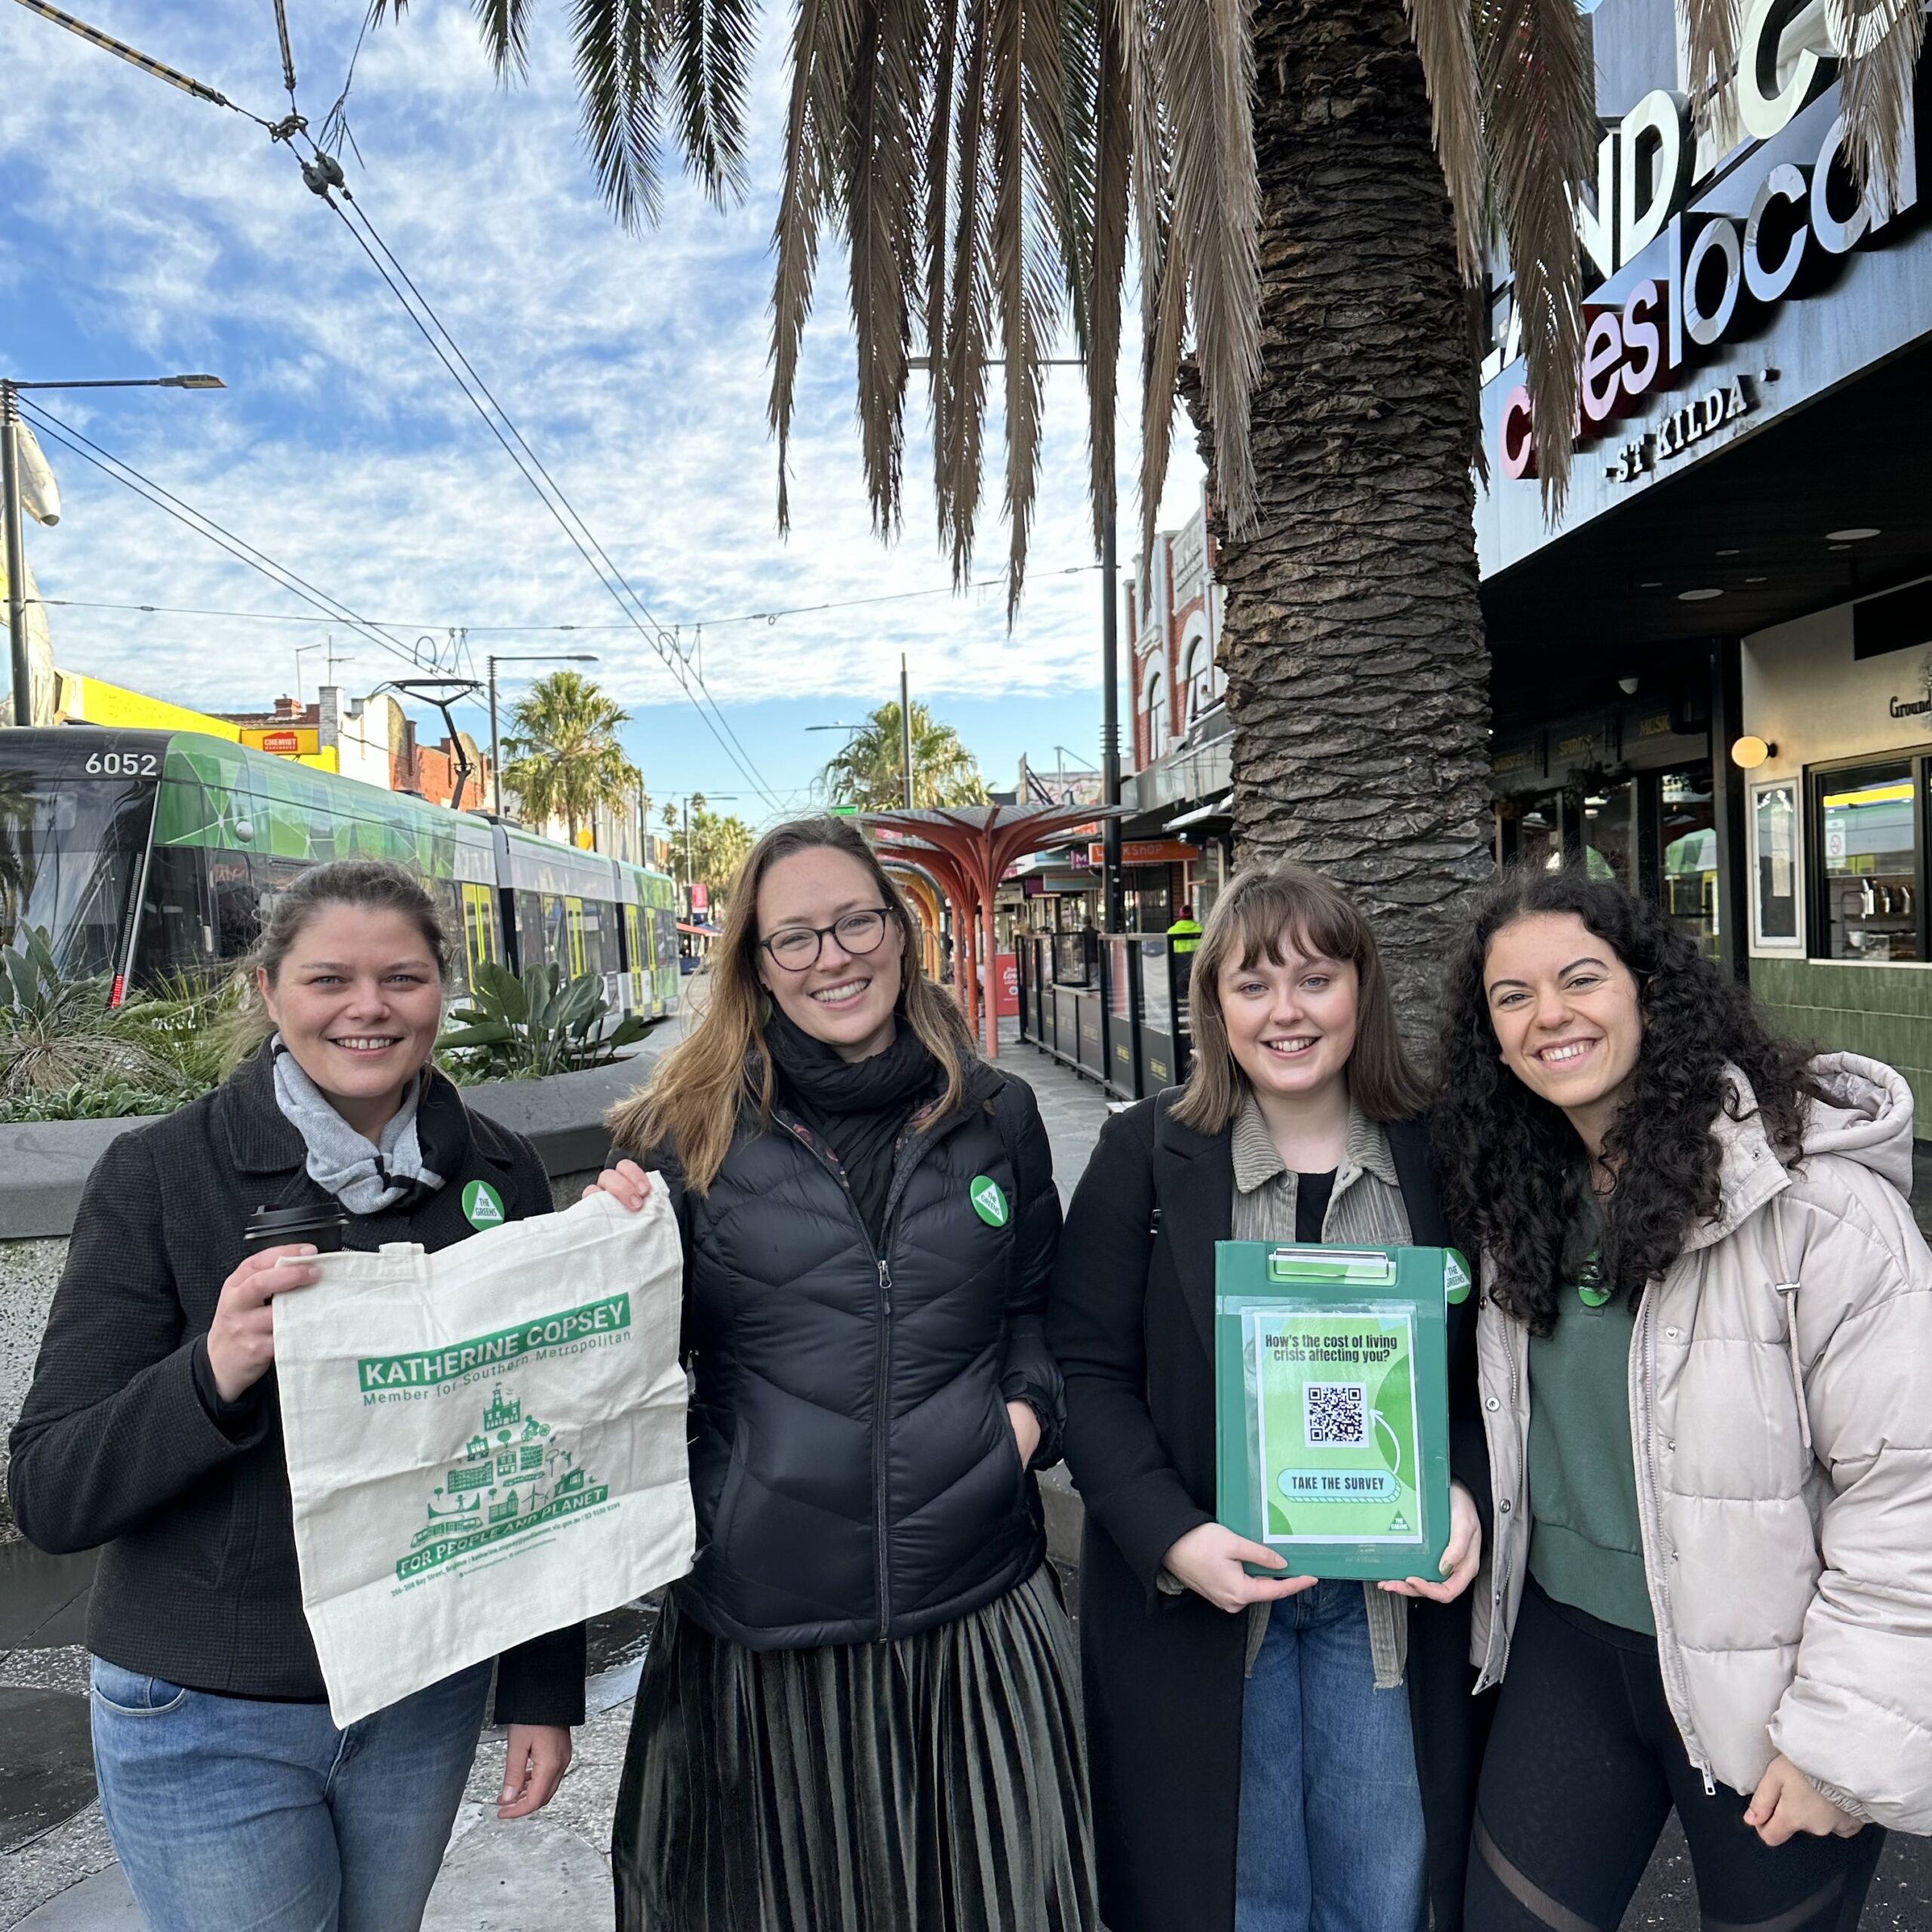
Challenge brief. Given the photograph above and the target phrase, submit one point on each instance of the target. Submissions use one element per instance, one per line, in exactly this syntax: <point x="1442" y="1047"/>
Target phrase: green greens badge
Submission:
<point x="988" y="1201"/>
<point x="482" y="1205"/>
<point x="1455" y="1276"/>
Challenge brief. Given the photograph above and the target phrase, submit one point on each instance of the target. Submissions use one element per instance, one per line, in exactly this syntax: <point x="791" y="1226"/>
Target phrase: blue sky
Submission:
<point x="148" y="233"/>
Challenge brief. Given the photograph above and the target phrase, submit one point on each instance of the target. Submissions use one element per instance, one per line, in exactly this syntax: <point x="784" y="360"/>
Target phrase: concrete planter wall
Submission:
<point x="44" y="1166"/>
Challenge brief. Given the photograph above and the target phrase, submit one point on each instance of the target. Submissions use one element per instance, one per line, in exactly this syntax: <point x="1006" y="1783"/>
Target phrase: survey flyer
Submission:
<point x="1336" y="1435"/>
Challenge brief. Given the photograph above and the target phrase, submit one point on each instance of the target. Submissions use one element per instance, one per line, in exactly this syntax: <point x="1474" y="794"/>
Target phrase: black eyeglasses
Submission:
<point x="797" y="947"/>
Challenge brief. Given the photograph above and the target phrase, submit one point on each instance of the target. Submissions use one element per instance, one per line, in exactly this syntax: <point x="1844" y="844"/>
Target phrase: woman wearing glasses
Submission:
<point x="856" y="1716"/>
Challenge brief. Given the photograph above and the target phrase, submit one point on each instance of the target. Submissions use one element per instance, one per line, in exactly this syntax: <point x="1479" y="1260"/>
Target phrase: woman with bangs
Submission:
<point x="1256" y="1763"/>
<point x="857" y="1713"/>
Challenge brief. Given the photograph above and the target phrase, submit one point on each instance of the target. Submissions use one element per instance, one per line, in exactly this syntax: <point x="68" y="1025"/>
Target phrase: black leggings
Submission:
<point x="1582" y="1767"/>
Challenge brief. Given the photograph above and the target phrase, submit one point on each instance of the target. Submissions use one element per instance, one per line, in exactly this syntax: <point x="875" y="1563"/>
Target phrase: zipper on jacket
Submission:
<point x="881" y="1399"/>
<point x="910" y="1154"/>
<point x="1676" y="1686"/>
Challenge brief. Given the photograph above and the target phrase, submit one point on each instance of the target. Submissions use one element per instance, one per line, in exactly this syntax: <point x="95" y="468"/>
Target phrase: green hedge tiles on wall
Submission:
<point x="1885" y="1013"/>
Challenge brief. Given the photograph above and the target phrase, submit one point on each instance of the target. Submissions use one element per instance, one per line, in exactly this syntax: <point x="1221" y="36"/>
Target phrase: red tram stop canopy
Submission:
<point x="966" y="850"/>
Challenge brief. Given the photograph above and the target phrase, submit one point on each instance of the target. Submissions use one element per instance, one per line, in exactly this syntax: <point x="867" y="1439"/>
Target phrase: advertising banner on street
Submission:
<point x="484" y="1444"/>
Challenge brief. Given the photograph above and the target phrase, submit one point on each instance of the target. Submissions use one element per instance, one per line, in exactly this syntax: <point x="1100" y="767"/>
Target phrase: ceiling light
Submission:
<point x="1651" y="584"/>
<point x="1730" y="553"/>
<point x="1754" y="579"/>
<point x="1697" y="596"/>
<point x="1838" y="546"/>
<point x="1856" y="533"/>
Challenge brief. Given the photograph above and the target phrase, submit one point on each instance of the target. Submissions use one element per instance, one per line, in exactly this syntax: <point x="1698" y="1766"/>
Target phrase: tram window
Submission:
<point x="177" y="937"/>
<point x="1867" y="822"/>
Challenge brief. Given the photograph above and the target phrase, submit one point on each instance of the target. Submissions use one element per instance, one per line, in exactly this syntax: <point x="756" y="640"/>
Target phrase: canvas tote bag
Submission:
<point x="484" y="1444"/>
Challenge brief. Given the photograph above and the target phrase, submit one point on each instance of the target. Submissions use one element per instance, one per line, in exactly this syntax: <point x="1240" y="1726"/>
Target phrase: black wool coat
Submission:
<point x="123" y="1441"/>
<point x="853" y="1470"/>
<point x="1130" y="1320"/>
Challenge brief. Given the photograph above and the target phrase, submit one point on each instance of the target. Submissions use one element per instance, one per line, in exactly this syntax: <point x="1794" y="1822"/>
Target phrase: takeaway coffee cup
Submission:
<point x="321" y="1226"/>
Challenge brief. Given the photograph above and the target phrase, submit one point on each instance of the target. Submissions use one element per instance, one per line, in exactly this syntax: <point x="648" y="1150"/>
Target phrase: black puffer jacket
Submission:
<point x="852" y="1462"/>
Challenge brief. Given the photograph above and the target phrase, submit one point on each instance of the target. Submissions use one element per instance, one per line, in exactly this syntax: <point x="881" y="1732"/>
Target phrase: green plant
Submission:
<point x="58" y="1033"/>
<point x="520" y="1029"/>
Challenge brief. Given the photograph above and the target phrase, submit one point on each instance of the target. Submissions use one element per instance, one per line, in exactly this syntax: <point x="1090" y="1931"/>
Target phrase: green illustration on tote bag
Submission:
<point x="514" y="1476"/>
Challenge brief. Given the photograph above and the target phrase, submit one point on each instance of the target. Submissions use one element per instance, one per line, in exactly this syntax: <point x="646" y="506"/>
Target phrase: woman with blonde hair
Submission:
<point x="857" y="1715"/>
<point x="1257" y="1765"/>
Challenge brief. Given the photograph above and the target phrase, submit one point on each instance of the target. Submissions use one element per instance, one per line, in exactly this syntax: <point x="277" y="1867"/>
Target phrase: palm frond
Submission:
<point x="969" y="319"/>
<point x="880" y="189"/>
<point x="620" y="50"/>
<point x="713" y="43"/>
<point x="822" y="46"/>
<point x="938" y="178"/>
<point x="1445" y="43"/>
<point x="1881" y="40"/>
<point x="1709" y="29"/>
<point x="1540" y="109"/>
<point x="1108" y="268"/>
<point x="1208" y="62"/>
<point x="506" y="26"/>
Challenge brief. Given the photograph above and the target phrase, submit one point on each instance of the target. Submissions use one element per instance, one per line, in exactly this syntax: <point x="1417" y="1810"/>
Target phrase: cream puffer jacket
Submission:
<point x="1781" y="1422"/>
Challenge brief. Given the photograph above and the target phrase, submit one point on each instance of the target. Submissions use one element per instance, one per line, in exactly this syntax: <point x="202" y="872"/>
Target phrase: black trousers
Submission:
<point x="1583" y="1767"/>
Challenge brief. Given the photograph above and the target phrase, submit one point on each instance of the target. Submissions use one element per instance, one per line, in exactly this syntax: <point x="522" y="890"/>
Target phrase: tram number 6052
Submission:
<point x="124" y="764"/>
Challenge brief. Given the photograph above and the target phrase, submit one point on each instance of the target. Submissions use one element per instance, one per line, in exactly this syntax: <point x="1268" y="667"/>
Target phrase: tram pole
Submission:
<point x="16" y="571"/>
<point x="1114" y="913"/>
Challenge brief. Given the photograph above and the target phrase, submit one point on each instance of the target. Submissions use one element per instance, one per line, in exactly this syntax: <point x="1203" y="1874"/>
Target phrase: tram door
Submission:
<point x="573" y="923"/>
<point x="634" y="955"/>
<point x="482" y="937"/>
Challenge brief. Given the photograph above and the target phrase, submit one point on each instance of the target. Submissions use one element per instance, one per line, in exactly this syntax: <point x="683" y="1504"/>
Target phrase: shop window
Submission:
<point x="1868" y="843"/>
<point x="1539" y="835"/>
<point x="1610" y="833"/>
<point x="1688" y="877"/>
<point x="1154" y="700"/>
<point x="1774" y="853"/>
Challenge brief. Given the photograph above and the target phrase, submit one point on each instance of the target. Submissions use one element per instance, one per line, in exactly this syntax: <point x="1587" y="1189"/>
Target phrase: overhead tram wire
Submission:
<point x="565" y="513"/>
<point x="323" y="173"/>
<point x="446" y="623"/>
<point x="333" y="610"/>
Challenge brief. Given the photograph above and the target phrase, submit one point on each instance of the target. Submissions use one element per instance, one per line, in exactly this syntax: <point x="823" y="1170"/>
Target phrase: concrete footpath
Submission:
<point x="552" y="1873"/>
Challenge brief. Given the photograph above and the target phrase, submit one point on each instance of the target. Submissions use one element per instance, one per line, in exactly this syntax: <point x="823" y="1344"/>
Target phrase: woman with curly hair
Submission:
<point x="1704" y="1351"/>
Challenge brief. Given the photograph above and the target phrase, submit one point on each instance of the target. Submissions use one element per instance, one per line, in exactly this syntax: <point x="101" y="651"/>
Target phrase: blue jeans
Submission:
<point x="262" y="1818"/>
<point x="1331" y="1831"/>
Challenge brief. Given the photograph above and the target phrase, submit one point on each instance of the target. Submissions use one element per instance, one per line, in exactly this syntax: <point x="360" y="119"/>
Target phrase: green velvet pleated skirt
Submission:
<point x="936" y="1783"/>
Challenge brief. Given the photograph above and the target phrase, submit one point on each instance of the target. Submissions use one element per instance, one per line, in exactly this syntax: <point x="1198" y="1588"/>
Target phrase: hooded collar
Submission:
<point x="1863" y="1112"/>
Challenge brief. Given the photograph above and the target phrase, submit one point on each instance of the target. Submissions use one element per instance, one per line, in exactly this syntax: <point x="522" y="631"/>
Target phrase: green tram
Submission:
<point x="150" y="855"/>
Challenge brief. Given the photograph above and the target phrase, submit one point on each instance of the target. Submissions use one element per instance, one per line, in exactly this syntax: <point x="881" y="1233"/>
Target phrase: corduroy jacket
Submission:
<point x="124" y="1442"/>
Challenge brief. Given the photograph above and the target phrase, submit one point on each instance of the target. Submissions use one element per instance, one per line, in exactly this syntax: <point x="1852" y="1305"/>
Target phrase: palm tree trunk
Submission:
<point x="1358" y="672"/>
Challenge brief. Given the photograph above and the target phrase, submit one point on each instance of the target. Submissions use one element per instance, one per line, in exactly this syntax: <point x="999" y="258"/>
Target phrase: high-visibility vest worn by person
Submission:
<point x="1185" y="936"/>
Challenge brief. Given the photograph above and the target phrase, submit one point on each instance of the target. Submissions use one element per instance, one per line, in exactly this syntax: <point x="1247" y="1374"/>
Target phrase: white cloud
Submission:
<point x="159" y="231"/>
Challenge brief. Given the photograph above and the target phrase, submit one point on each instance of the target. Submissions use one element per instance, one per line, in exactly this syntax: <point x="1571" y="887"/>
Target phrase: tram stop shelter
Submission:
<point x="965" y="851"/>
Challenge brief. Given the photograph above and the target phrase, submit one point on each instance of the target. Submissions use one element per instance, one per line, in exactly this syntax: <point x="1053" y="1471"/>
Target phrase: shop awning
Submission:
<point x="1222" y="807"/>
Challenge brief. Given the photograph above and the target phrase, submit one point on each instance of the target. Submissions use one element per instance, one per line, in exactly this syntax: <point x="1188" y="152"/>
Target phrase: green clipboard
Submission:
<point x="1331" y="1400"/>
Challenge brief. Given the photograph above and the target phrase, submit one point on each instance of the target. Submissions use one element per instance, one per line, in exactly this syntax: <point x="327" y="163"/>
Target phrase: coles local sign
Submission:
<point x="1720" y="274"/>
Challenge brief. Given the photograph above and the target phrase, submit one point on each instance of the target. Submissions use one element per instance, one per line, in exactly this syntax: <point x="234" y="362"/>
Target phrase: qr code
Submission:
<point x="1335" y="1414"/>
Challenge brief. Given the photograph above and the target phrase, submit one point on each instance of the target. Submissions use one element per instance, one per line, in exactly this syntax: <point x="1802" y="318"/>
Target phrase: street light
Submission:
<point x="520" y="657"/>
<point x="10" y="508"/>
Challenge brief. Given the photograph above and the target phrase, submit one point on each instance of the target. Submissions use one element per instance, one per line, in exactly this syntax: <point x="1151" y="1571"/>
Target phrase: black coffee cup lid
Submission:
<point x="295" y="1220"/>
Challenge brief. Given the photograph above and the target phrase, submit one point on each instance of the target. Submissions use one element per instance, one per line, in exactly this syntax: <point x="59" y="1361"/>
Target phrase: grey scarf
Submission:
<point x="364" y="1176"/>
